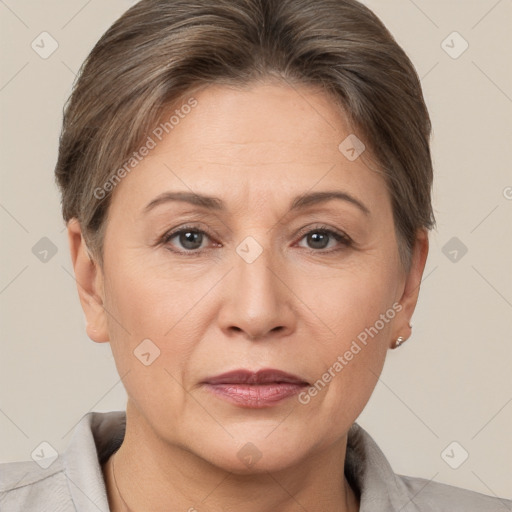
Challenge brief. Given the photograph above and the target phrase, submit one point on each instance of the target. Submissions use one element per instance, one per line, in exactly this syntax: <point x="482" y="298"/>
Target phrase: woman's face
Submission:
<point x="269" y="276"/>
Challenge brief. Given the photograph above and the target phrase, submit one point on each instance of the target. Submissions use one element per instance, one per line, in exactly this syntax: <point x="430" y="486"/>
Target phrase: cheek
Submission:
<point x="147" y="302"/>
<point x="350" y="300"/>
<point x="359" y="308"/>
<point x="151" y="337"/>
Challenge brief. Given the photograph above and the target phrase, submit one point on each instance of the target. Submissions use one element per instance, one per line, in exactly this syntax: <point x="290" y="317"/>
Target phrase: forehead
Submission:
<point x="276" y="117"/>
<point x="251" y="142"/>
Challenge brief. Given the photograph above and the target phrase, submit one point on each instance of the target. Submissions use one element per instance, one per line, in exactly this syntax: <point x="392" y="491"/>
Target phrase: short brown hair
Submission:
<point x="161" y="50"/>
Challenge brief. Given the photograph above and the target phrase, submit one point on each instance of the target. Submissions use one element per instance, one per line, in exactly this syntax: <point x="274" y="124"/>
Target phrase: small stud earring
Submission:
<point x="399" y="341"/>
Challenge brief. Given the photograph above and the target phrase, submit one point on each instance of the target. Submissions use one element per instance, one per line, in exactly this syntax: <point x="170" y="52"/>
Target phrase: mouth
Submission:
<point x="263" y="388"/>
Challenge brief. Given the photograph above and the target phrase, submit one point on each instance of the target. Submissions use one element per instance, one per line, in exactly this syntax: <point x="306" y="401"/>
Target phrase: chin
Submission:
<point x="256" y="450"/>
<point x="253" y="463"/>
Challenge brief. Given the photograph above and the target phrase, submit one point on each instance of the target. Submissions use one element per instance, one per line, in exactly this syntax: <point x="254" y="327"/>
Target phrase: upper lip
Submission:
<point x="264" y="376"/>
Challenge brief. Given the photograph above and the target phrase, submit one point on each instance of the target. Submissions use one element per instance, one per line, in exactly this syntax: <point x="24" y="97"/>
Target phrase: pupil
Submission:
<point x="318" y="240"/>
<point x="191" y="239"/>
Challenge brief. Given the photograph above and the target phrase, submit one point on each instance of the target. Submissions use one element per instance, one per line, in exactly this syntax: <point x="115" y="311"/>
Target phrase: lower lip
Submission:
<point x="255" y="396"/>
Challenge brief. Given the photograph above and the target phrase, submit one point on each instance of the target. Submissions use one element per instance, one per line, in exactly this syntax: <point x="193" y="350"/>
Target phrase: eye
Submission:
<point x="192" y="240"/>
<point x="322" y="238"/>
<point x="187" y="238"/>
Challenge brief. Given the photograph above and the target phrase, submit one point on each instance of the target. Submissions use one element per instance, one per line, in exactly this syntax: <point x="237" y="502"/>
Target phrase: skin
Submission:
<point x="297" y="307"/>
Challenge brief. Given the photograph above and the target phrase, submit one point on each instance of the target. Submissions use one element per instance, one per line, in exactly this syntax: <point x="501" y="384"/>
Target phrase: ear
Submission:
<point x="402" y="326"/>
<point x="89" y="280"/>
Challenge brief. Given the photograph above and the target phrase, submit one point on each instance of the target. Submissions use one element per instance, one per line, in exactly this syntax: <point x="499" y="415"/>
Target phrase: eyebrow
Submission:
<point x="216" y="204"/>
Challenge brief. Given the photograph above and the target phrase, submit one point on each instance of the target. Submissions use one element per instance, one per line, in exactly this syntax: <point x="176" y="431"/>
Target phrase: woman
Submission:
<point x="246" y="186"/>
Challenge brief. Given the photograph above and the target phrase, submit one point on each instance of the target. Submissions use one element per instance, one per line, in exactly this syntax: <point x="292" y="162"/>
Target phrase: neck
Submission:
<point x="151" y="474"/>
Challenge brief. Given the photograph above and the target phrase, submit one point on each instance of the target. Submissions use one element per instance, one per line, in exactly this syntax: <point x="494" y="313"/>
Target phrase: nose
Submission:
<point x="257" y="302"/>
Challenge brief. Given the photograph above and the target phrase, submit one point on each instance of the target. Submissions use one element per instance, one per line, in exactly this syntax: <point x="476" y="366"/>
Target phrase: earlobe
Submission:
<point x="409" y="299"/>
<point x="89" y="280"/>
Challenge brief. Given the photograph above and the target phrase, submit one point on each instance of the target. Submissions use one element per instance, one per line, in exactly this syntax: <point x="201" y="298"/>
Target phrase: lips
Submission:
<point x="266" y="376"/>
<point x="264" y="388"/>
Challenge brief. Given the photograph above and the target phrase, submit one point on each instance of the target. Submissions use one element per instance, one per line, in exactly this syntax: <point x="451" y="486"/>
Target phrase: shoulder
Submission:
<point x="26" y="486"/>
<point x="380" y="488"/>
<point x="430" y="496"/>
<point x="74" y="480"/>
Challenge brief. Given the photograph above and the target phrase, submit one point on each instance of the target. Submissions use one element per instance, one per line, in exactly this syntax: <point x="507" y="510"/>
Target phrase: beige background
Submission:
<point x="451" y="381"/>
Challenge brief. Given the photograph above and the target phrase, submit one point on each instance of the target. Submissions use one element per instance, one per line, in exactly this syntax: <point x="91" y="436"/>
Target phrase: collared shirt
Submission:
<point x="74" y="481"/>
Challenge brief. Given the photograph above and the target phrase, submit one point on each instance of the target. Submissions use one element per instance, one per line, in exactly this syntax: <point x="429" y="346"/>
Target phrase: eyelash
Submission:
<point x="340" y="237"/>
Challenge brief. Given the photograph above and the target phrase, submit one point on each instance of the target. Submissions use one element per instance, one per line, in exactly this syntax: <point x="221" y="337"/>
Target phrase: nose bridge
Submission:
<point x="258" y="301"/>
